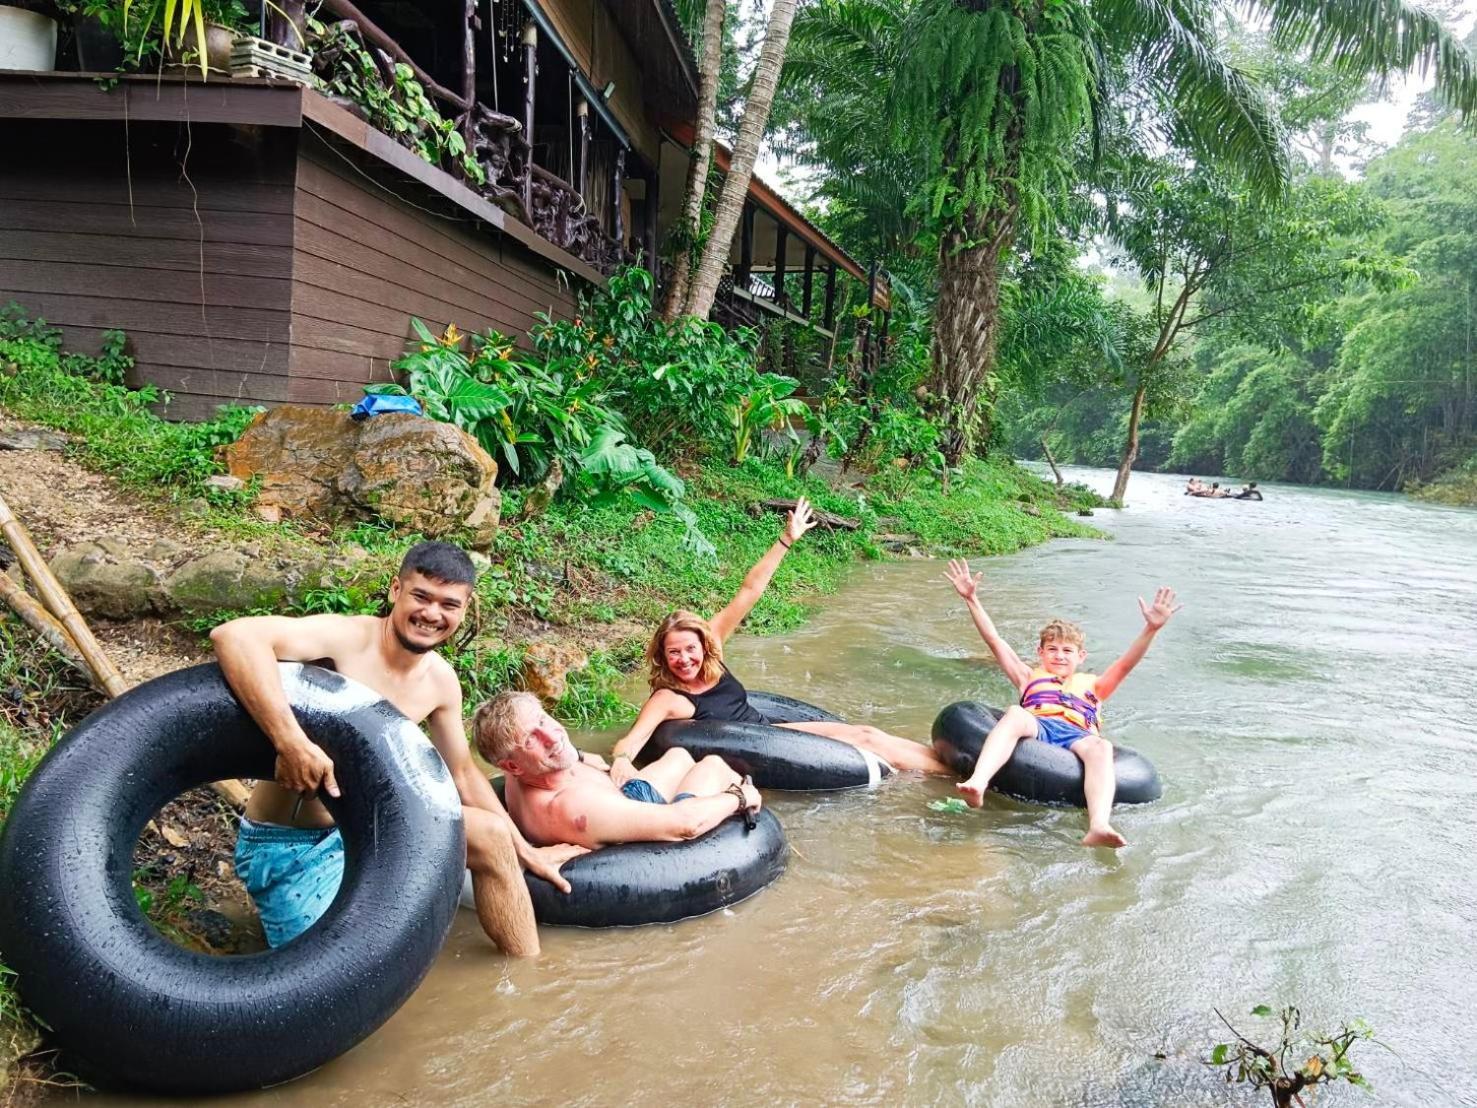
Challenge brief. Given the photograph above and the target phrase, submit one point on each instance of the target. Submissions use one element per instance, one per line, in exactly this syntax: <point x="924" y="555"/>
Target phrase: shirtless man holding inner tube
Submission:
<point x="556" y="796"/>
<point x="289" y="854"/>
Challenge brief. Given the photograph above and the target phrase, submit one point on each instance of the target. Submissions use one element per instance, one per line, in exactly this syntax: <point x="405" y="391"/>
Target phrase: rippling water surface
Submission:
<point x="1310" y="712"/>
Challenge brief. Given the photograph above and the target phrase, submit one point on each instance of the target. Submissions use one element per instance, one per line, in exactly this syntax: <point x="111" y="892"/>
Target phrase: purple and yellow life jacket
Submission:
<point x="1051" y="697"/>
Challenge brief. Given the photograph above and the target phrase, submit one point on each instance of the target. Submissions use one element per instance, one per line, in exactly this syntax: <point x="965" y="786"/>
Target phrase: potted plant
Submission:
<point x="170" y="30"/>
<point x="28" y="35"/>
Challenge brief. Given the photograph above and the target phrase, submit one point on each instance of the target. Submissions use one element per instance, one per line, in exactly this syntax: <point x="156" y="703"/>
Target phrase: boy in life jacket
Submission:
<point x="1058" y="705"/>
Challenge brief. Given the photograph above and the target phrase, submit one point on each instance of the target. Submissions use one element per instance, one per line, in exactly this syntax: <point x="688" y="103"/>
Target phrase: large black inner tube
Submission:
<point x="1036" y="770"/>
<point x="775" y="757"/>
<point x="639" y="883"/>
<point x="129" y="1007"/>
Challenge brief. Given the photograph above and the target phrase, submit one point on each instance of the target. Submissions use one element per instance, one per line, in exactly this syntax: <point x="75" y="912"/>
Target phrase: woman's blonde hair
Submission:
<point x="659" y="676"/>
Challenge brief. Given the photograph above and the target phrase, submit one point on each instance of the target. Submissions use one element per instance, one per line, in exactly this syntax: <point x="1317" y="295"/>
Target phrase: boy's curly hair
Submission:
<point x="1061" y="630"/>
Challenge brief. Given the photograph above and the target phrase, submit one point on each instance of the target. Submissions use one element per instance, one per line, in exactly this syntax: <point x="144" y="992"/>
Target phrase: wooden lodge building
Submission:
<point x="261" y="243"/>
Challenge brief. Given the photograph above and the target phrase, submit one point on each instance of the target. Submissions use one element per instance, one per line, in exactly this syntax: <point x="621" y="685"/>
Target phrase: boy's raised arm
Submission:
<point x="1156" y="615"/>
<point x="966" y="585"/>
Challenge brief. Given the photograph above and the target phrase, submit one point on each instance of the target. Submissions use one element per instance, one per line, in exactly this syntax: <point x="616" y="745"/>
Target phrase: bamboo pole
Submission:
<point x="49" y="589"/>
<point x="41" y="621"/>
<point x="59" y="603"/>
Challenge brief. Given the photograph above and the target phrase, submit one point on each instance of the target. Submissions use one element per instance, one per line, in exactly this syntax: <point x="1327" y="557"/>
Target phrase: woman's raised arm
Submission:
<point x="757" y="579"/>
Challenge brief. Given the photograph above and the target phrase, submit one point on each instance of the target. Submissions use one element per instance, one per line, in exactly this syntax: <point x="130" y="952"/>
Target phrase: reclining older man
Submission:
<point x="555" y="796"/>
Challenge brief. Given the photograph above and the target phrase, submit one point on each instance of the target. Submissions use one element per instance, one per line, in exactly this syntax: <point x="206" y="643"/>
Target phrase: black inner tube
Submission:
<point x="127" y="1006"/>
<point x="633" y="884"/>
<point x="1036" y="770"/>
<point x="775" y="757"/>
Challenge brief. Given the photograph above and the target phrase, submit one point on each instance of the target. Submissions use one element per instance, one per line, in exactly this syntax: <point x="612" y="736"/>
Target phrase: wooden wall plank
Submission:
<point x="181" y="287"/>
<point x="245" y="259"/>
<point x="165" y="223"/>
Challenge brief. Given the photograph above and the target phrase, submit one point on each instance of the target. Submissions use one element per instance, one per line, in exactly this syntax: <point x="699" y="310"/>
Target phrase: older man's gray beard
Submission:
<point x="415" y="647"/>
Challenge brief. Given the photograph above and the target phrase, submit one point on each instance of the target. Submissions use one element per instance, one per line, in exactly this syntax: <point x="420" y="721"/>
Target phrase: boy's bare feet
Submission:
<point x="973" y="795"/>
<point x="1104" y="836"/>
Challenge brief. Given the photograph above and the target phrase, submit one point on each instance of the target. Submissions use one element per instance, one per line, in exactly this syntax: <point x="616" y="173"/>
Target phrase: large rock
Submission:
<point x="416" y="473"/>
<point x="546" y="669"/>
<point x="424" y="476"/>
<point x="103" y="580"/>
<point x="237" y="580"/>
<point x="299" y="454"/>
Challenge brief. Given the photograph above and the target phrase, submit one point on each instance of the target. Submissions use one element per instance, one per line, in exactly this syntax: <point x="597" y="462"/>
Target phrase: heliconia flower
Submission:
<point x="451" y="336"/>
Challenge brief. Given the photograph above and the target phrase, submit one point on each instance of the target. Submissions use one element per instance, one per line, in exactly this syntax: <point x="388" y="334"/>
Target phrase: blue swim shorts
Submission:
<point x="1059" y="732"/>
<point x="292" y="874"/>
<point x="645" y="791"/>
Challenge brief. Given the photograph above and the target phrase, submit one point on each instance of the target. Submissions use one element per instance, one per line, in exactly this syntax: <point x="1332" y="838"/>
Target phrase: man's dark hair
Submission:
<point x="440" y="561"/>
<point x="1252" y="485"/>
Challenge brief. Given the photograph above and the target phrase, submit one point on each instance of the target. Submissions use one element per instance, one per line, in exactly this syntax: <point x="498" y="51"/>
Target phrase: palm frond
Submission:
<point x="1374" y="38"/>
<point x="1214" y="109"/>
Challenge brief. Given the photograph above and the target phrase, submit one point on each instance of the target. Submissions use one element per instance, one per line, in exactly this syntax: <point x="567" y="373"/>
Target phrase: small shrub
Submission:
<point x="1300" y="1060"/>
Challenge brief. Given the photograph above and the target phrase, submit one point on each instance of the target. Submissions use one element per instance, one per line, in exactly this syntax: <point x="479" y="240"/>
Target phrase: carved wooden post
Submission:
<point x="469" y="68"/>
<point x="618" y="210"/>
<point x="582" y="178"/>
<point x="809" y="291"/>
<point x="530" y="74"/>
<point x="830" y="317"/>
<point x="781" y="248"/>
<point x="746" y="249"/>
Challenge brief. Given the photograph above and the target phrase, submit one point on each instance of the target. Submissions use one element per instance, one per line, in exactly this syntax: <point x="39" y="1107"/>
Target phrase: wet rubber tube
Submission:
<point x="775" y="757"/>
<point x="127" y="1006"/>
<point x="639" y="883"/>
<point x="1036" y="771"/>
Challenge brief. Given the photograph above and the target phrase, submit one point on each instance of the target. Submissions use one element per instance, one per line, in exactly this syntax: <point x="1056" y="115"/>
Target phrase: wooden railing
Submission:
<point x="499" y="143"/>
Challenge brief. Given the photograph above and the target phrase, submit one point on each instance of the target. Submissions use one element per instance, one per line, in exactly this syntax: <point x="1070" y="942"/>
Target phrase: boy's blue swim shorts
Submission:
<point x="1059" y="732"/>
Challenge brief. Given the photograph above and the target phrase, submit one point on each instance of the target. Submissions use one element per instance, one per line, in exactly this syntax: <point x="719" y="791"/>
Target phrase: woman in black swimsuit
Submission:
<point x="690" y="681"/>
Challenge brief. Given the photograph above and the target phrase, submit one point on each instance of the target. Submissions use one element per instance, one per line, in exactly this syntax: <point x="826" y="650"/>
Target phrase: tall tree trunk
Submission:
<point x="966" y="329"/>
<point x="702" y="157"/>
<point x="741" y="169"/>
<point x="1051" y="461"/>
<point x="1131" y="448"/>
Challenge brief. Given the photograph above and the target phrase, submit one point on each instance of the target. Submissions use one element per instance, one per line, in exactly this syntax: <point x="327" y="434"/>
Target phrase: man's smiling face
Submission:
<point x="425" y="612"/>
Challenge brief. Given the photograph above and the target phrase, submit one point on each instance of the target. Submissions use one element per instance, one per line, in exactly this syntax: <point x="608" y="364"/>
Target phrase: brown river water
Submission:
<point x="1309" y="711"/>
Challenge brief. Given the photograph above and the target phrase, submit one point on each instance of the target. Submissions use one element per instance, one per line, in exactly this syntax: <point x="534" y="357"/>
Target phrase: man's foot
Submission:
<point x="1104" y="836"/>
<point x="974" y="795"/>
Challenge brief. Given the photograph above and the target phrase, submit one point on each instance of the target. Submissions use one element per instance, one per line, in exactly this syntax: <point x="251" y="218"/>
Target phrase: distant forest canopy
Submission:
<point x="1370" y="388"/>
<point x="1203" y="263"/>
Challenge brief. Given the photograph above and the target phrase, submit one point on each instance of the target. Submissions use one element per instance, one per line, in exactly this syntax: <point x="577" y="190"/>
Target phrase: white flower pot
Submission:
<point x="27" y="39"/>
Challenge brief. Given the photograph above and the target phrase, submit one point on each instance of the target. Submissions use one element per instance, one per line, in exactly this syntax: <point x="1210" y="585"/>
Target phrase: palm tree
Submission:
<point x="992" y="104"/>
<point x="686" y="237"/>
<point x="730" y="205"/>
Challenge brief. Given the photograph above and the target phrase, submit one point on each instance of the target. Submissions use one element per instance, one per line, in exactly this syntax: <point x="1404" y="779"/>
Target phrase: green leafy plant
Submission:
<point x="766" y="405"/>
<point x="438" y="373"/>
<point x="554" y="407"/>
<point x="398" y="106"/>
<point x="1325" y="1057"/>
<point x="614" y="467"/>
<point x="675" y="381"/>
